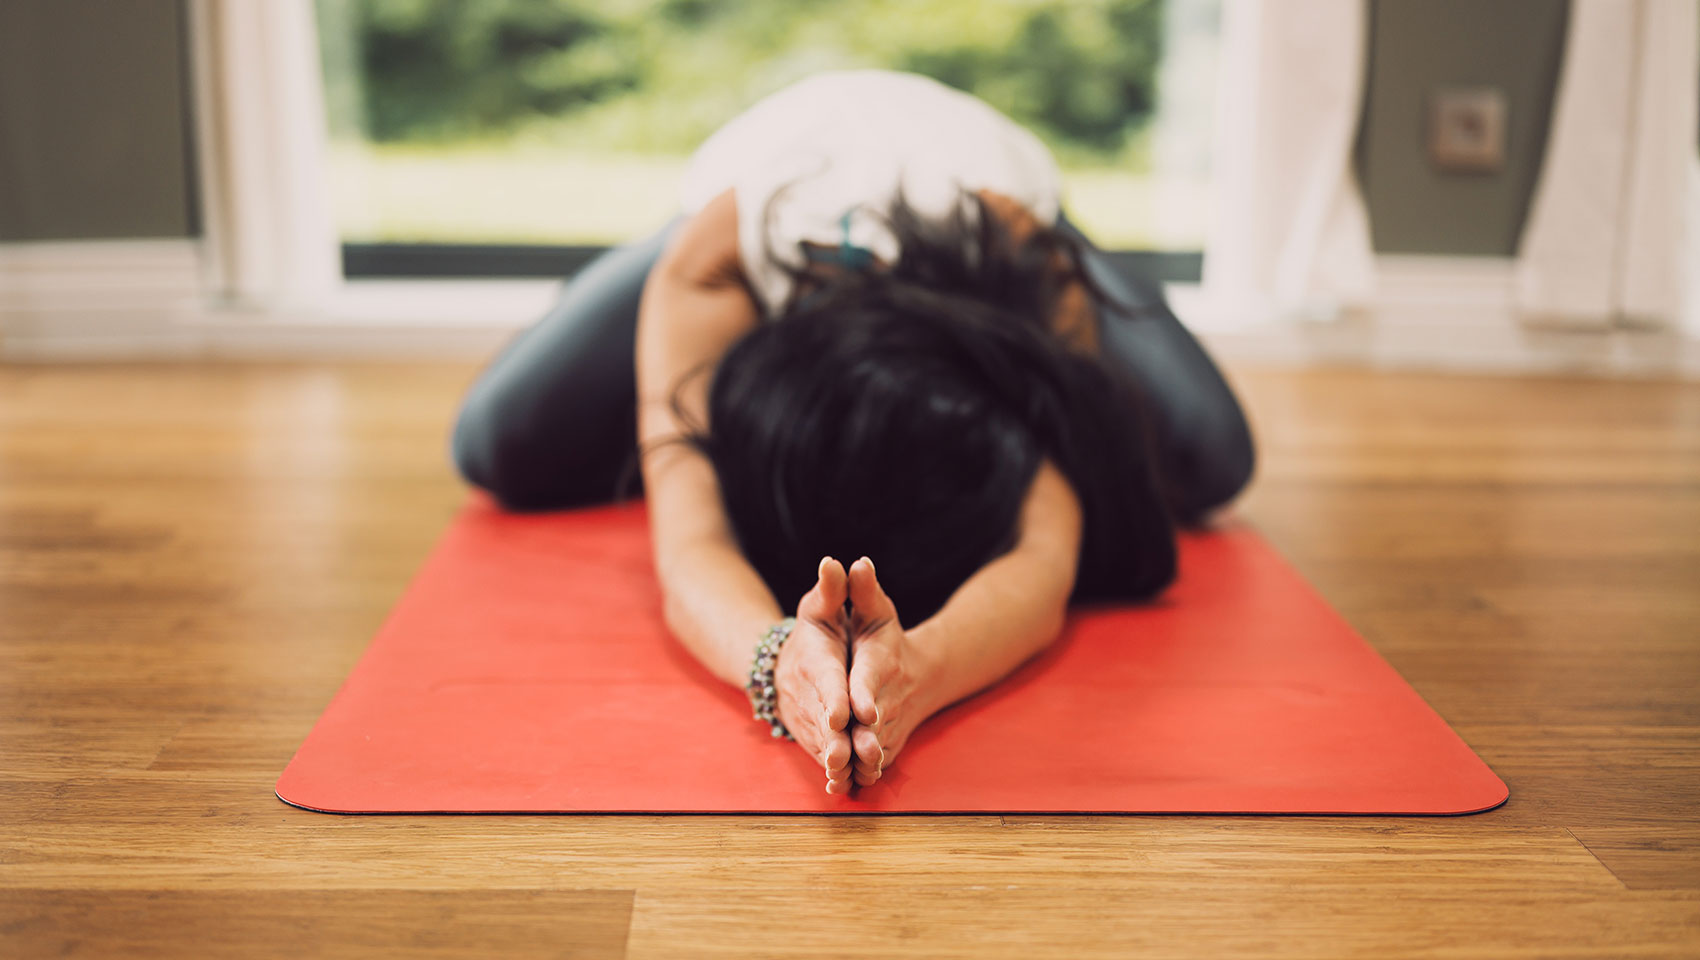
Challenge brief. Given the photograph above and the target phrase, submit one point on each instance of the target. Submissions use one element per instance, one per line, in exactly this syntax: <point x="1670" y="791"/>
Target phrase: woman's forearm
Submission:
<point x="1010" y="609"/>
<point x="1006" y="613"/>
<point x="717" y="606"/>
<point x="694" y="307"/>
<point x="714" y="602"/>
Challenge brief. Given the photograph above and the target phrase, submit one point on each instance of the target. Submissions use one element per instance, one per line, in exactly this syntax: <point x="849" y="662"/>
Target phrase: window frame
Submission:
<point x="269" y="241"/>
<point x="489" y="261"/>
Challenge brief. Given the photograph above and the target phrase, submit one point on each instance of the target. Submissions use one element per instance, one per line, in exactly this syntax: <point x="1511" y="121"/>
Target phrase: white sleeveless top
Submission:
<point x="848" y="138"/>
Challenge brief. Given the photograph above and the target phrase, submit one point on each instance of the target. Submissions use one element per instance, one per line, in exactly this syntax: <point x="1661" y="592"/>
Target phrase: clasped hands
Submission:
<point x="850" y="684"/>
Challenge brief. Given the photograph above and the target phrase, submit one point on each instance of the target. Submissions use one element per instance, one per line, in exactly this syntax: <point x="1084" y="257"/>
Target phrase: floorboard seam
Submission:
<point x="1596" y="857"/>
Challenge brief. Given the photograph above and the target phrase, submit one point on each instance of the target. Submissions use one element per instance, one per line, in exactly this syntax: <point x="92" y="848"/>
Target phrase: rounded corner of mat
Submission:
<point x="1500" y="797"/>
<point x="294" y="797"/>
<point x="1489" y="797"/>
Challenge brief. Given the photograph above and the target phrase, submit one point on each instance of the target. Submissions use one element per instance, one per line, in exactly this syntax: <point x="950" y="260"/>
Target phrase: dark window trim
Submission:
<point x="467" y="260"/>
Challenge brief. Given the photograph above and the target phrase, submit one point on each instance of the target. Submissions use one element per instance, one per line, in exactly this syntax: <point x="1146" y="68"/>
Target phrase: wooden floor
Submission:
<point x="192" y="558"/>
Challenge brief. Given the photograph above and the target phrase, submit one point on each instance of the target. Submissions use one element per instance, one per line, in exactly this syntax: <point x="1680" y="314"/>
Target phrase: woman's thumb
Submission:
<point x="825" y="600"/>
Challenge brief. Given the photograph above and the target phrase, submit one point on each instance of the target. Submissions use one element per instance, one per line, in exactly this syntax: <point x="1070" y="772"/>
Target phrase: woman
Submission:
<point x="870" y="336"/>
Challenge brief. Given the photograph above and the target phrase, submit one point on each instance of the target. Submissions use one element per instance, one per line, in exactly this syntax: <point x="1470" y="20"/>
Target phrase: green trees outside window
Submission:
<point x="445" y="112"/>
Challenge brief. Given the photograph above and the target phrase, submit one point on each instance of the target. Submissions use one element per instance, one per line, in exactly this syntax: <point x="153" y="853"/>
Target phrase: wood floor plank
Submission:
<point x="1201" y="919"/>
<point x="1662" y="855"/>
<point x="293" y="924"/>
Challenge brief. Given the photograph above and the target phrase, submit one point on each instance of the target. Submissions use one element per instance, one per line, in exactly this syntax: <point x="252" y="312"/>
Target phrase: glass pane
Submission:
<point x="569" y="121"/>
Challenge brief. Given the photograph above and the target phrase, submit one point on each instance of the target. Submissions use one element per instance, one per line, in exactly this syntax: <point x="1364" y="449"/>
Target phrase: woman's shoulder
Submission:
<point x="704" y="250"/>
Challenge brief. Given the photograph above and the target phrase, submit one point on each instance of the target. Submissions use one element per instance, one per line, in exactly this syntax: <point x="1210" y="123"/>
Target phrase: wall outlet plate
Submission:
<point x="1466" y="129"/>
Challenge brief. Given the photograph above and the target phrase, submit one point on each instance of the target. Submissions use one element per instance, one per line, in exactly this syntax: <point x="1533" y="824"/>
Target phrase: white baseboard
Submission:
<point x="50" y="292"/>
<point x="132" y="300"/>
<point x="1462" y="348"/>
<point x="218" y="339"/>
<point x="144" y="300"/>
<point x="1439" y="313"/>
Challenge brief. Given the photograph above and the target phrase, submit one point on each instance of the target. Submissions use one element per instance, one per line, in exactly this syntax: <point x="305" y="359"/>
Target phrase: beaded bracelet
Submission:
<point x="764" y="697"/>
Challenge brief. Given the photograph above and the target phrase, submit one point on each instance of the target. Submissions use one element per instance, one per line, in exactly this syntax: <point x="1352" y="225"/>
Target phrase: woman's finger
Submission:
<point x="837" y="764"/>
<point x="824" y="603"/>
<point x="870" y="755"/>
<point x="829" y="745"/>
<point x="873" y="608"/>
<point x="864" y="700"/>
<point x="834" y="696"/>
<point x="835" y="753"/>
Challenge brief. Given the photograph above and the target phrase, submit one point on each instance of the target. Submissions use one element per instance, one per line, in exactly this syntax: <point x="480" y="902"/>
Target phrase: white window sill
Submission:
<point x="505" y="304"/>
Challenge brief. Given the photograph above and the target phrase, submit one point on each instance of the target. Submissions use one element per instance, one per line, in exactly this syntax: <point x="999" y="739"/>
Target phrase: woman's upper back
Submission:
<point x="844" y="142"/>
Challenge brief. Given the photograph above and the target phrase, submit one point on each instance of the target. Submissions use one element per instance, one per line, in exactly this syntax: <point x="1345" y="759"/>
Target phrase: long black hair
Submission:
<point x="903" y="412"/>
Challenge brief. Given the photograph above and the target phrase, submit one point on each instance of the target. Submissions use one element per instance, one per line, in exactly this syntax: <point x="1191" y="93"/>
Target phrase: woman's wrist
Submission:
<point x="921" y="659"/>
<point x="967" y="646"/>
<point x="742" y="644"/>
<point x="723" y="640"/>
<point x="761" y="687"/>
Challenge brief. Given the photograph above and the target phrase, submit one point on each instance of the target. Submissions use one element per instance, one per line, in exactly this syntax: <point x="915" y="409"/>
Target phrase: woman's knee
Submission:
<point x="1217" y="466"/>
<point x="491" y="452"/>
<point x="501" y="465"/>
<point x="475" y="444"/>
<point x="1236" y="459"/>
<point x="532" y="463"/>
<point x="538" y="424"/>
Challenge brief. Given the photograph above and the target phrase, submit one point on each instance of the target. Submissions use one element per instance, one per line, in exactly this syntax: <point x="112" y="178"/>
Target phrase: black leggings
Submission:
<point x="552" y="422"/>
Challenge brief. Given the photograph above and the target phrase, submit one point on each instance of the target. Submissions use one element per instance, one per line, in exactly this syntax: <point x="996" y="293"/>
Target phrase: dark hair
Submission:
<point x="903" y="413"/>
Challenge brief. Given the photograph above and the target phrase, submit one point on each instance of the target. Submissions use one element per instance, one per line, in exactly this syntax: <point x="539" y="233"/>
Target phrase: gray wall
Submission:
<point x="94" y="140"/>
<point x="1416" y="45"/>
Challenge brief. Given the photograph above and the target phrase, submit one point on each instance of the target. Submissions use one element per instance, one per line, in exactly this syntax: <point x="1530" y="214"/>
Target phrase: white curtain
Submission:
<point x="1691" y="259"/>
<point x="271" y="240"/>
<point x="1605" y="241"/>
<point x="1289" y="235"/>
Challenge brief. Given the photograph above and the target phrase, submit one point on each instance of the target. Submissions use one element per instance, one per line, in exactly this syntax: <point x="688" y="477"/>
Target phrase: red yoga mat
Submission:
<point x="527" y="669"/>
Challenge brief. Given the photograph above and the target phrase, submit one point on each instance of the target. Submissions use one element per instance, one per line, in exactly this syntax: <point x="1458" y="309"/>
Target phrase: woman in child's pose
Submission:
<point x="895" y="411"/>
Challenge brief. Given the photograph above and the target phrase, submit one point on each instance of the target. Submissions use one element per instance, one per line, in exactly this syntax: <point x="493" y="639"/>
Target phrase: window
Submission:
<point x="519" y="136"/>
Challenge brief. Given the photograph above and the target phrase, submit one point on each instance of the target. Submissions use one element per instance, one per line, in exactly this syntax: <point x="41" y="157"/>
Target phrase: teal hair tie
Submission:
<point x="849" y="254"/>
